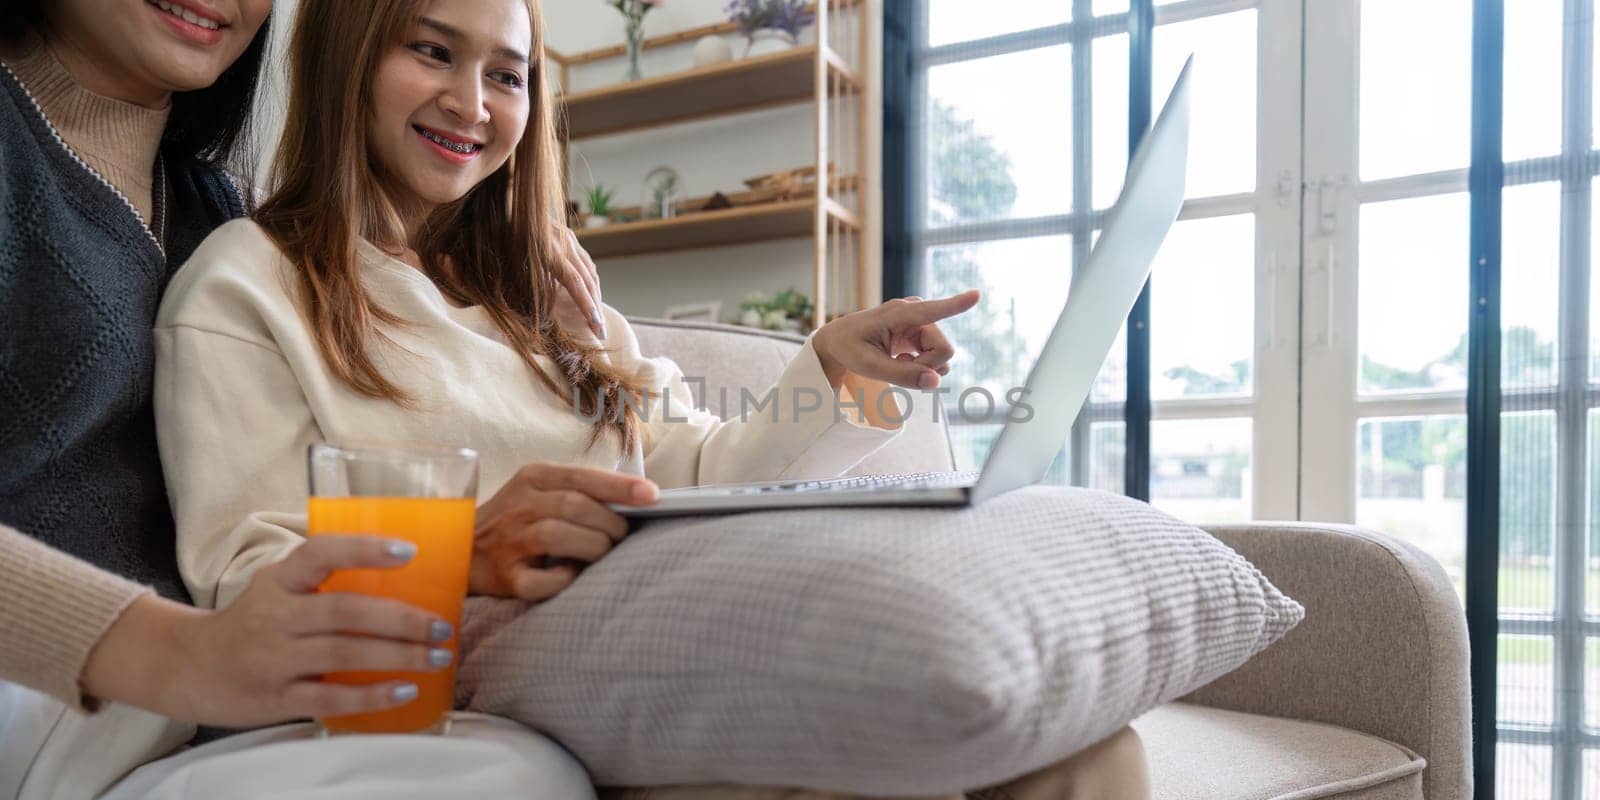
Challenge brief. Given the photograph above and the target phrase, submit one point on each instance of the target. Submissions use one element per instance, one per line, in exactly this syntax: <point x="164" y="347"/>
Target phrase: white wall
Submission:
<point x="271" y="95"/>
<point x="714" y="155"/>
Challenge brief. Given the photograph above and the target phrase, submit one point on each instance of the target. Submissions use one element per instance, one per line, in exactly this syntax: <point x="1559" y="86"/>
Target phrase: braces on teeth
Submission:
<point x="446" y="143"/>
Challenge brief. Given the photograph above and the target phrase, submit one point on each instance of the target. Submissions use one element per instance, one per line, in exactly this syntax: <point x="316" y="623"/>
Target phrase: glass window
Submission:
<point x="1411" y="482"/>
<point x="951" y="21"/>
<point x="1592" y="567"/>
<point x="1202" y="315"/>
<point x="1024" y="284"/>
<point x="1532" y="79"/>
<point x="1222" y="134"/>
<point x="1415" y="96"/>
<point x="1527" y="510"/>
<point x="1530" y="284"/>
<point x="1000" y="137"/>
<point x="1200" y="469"/>
<point x="1527" y="691"/>
<point x="1594" y="285"/>
<point x="1594" y="86"/>
<point x="1413" y="285"/>
<point x="1109" y="101"/>
<point x="1107" y="456"/>
<point x="1522" y="772"/>
<point x="1591" y="702"/>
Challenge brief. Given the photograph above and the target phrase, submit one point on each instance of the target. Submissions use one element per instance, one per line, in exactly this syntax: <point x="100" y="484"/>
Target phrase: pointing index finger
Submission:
<point x="926" y="311"/>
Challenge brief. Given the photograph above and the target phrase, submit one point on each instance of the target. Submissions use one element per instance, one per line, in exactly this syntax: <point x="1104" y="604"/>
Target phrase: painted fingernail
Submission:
<point x="403" y="551"/>
<point x="440" y="630"/>
<point x="928" y="380"/>
<point x="440" y="657"/>
<point x="599" y="322"/>
<point x="405" y="692"/>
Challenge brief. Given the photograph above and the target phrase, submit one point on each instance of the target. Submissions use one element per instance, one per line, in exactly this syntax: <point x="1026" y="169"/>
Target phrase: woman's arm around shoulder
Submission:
<point x="55" y="609"/>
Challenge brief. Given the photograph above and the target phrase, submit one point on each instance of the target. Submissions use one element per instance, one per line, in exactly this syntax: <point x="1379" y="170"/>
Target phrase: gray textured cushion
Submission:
<point x="1200" y="753"/>
<point x="893" y="651"/>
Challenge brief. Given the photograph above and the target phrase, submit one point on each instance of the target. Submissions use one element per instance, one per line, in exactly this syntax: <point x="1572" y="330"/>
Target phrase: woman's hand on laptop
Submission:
<point x="549" y="511"/>
<point x="897" y="342"/>
<point x="260" y="660"/>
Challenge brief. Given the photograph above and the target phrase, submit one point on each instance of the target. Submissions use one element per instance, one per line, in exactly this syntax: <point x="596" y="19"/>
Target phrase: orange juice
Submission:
<point x="435" y="580"/>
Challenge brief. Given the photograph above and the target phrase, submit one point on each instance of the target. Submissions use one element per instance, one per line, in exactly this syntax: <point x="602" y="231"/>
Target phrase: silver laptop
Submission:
<point x="1102" y="294"/>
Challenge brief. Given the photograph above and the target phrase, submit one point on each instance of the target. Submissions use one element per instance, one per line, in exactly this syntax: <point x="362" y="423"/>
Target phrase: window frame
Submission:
<point x="1271" y="403"/>
<point x="1306" y="382"/>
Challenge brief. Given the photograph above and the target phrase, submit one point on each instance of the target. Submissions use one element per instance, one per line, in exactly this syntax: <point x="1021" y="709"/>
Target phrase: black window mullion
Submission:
<point x="1136" y="414"/>
<point x="904" y="35"/>
<point x="1486" y="179"/>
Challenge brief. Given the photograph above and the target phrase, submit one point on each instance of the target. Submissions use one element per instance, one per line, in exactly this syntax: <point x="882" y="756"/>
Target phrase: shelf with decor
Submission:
<point x="826" y="75"/>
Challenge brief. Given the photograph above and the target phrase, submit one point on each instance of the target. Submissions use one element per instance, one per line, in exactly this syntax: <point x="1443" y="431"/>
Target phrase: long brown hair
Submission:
<point x="493" y="248"/>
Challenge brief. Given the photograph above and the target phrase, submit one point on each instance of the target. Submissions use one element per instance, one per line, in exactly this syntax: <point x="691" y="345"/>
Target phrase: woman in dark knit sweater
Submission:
<point x="116" y="120"/>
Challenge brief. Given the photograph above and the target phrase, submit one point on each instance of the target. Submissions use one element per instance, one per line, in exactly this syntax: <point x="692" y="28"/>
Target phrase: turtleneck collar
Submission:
<point x="118" y="139"/>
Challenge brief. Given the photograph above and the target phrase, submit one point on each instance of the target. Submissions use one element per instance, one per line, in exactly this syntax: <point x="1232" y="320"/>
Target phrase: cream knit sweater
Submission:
<point x="241" y="391"/>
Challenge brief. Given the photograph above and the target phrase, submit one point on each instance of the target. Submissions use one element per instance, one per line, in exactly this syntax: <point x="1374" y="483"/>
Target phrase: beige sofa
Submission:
<point x="1366" y="700"/>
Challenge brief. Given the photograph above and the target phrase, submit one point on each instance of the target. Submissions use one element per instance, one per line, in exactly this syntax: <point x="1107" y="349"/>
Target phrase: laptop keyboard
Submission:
<point x="905" y="480"/>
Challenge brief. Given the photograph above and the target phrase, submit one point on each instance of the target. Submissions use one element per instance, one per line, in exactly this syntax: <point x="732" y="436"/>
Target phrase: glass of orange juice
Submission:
<point x="426" y="496"/>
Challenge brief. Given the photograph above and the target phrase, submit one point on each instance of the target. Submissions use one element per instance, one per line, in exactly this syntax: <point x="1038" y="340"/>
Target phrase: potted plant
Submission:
<point x="599" y="207"/>
<point x="771" y="26"/>
<point x="633" y="12"/>
<point x="789" y="311"/>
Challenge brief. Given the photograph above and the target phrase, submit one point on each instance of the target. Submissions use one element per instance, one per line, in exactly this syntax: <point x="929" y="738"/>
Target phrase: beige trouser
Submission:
<point x="1114" y="769"/>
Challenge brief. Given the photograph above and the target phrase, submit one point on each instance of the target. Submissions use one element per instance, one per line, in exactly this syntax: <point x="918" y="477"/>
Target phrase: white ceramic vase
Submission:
<point x="712" y="50"/>
<point x="596" y="221"/>
<point x="768" y="41"/>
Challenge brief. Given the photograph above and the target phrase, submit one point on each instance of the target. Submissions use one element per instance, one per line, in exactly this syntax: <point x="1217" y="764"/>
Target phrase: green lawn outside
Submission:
<point x="1540" y="650"/>
<point x="1534" y="587"/>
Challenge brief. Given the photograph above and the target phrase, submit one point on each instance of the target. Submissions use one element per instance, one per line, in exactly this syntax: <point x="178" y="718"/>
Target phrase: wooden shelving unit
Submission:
<point x="738" y="86"/>
<point x="787" y="219"/>
<point x="825" y="75"/>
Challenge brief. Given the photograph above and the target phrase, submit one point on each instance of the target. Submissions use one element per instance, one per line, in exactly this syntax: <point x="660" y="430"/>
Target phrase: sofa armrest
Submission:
<point x="1382" y="649"/>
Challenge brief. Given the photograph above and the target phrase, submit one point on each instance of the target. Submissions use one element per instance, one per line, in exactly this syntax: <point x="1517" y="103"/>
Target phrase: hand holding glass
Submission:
<point x="423" y="496"/>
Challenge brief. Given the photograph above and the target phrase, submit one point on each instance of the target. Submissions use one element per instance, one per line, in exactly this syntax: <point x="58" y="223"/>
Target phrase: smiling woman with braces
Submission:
<point x="459" y="147"/>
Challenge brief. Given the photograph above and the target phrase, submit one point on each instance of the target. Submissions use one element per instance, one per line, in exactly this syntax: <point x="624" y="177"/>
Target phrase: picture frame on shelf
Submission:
<point x="707" y="311"/>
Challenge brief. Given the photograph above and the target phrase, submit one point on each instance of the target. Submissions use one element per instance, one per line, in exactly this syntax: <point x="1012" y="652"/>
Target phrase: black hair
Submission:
<point x="205" y="124"/>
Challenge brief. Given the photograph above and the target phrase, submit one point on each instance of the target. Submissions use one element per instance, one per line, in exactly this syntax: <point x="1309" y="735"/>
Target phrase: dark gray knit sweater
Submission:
<point x="80" y="282"/>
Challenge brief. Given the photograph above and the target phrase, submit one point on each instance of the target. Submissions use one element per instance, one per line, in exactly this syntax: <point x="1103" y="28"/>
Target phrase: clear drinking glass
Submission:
<point x="426" y="496"/>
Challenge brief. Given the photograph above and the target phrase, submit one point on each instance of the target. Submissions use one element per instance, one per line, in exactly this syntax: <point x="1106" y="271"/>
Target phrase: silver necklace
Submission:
<point x="159" y="216"/>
